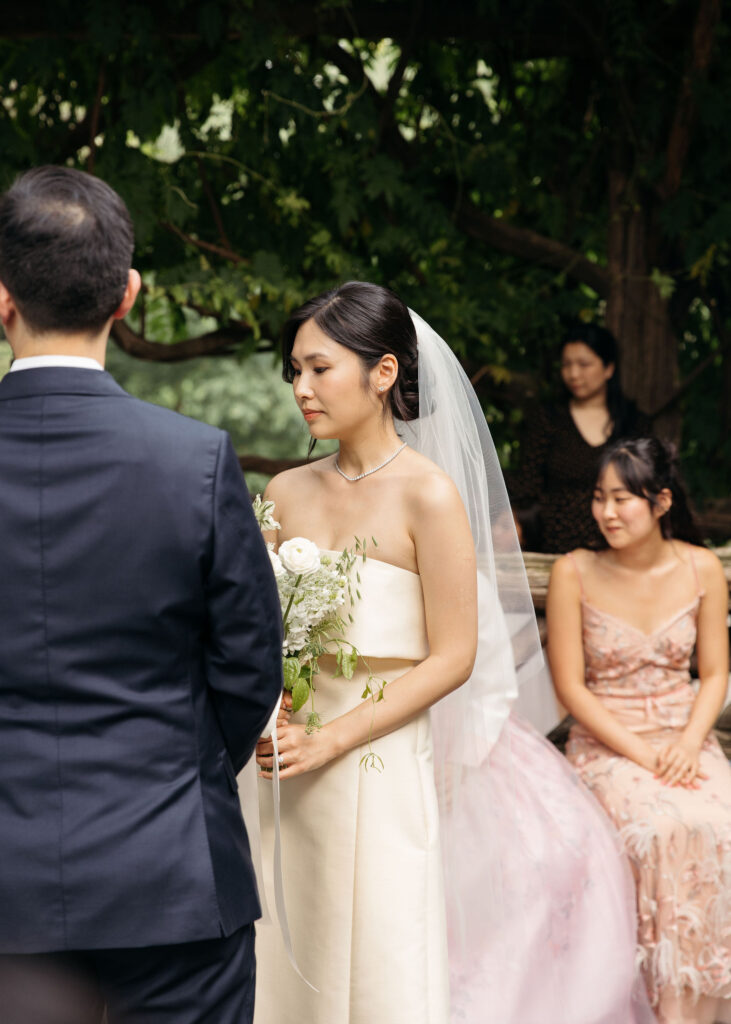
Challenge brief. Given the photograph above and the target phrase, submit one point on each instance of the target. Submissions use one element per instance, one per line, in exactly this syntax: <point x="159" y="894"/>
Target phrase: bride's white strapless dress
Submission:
<point x="554" y="939"/>
<point x="361" y="855"/>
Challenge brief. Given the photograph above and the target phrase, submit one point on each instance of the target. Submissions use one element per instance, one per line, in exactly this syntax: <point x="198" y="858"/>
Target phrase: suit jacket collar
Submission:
<point x="59" y="380"/>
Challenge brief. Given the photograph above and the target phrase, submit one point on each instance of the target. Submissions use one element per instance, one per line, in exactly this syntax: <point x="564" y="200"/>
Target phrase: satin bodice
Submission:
<point x="388" y="617"/>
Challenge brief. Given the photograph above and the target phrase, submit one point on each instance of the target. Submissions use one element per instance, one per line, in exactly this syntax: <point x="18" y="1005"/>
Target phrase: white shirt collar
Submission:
<point x="36" y="362"/>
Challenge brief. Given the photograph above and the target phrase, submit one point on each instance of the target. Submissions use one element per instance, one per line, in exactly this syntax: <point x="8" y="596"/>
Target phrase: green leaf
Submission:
<point x="291" y="670"/>
<point x="349" y="663"/>
<point x="339" y="663"/>
<point x="298" y="179"/>
<point x="663" y="282"/>
<point x="300" y="694"/>
<point x="372" y="760"/>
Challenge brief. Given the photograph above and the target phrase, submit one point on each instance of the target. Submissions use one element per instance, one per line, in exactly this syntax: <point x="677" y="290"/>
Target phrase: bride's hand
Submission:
<point x="300" y="752"/>
<point x="284" y="713"/>
<point x="285" y="709"/>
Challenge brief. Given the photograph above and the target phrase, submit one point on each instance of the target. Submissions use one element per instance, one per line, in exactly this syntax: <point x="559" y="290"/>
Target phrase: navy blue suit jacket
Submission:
<point x="140" y="657"/>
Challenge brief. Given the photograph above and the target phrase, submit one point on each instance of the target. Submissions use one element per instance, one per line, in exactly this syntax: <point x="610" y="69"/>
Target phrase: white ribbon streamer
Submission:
<point x="249" y="803"/>
<point x="278" y="877"/>
<point x="249" y="800"/>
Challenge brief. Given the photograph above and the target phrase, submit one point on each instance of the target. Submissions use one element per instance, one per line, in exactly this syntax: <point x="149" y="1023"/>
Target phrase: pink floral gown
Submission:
<point x="678" y="840"/>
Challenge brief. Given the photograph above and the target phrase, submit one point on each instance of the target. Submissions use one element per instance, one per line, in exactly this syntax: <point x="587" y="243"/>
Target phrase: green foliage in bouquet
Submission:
<point x="313" y="590"/>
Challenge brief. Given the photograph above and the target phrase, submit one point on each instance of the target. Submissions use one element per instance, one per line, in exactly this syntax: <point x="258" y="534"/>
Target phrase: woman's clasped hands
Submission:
<point x="299" y="751"/>
<point x="678" y="764"/>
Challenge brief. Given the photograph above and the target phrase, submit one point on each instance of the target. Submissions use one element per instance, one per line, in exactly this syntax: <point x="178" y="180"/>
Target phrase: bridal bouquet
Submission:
<point x="313" y="587"/>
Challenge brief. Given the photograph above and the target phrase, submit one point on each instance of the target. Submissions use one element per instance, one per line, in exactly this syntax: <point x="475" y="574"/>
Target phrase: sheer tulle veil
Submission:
<point x="509" y="669"/>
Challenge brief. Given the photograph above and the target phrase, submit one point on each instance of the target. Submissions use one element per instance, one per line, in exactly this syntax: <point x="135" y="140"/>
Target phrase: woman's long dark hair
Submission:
<point x="646" y="466"/>
<point x="622" y="411"/>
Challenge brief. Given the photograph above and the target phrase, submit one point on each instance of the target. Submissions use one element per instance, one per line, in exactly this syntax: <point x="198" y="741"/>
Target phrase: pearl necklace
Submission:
<point x="368" y="472"/>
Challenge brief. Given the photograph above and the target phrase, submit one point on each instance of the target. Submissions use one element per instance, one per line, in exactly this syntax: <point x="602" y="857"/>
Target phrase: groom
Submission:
<point x="140" y="654"/>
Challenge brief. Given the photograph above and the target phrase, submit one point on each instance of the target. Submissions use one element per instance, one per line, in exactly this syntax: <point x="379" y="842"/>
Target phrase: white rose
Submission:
<point x="276" y="561"/>
<point x="299" y="556"/>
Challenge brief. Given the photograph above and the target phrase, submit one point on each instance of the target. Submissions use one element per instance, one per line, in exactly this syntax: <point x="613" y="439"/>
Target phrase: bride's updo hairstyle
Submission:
<point x="646" y="466"/>
<point x="372" y="322"/>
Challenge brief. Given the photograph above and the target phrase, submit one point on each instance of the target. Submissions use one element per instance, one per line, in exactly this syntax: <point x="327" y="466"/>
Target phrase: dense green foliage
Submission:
<point x="464" y="156"/>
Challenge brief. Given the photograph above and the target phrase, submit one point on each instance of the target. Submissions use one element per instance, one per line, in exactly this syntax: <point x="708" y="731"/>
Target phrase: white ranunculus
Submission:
<point x="300" y="556"/>
<point x="276" y="563"/>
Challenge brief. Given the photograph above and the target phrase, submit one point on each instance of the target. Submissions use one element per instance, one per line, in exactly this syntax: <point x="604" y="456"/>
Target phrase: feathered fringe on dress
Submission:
<point x="678" y="840"/>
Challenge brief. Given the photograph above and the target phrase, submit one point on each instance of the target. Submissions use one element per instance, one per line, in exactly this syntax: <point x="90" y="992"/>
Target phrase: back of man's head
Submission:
<point x="66" y="242"/>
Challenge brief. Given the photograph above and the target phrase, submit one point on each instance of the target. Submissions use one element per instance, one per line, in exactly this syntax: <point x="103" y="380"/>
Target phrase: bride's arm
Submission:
<point x="566" y="658"/>
<point x="446" y="560"/>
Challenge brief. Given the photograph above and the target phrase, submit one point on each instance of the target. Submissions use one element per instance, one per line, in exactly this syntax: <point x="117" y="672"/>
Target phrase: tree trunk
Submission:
<point x="637" y="314"/>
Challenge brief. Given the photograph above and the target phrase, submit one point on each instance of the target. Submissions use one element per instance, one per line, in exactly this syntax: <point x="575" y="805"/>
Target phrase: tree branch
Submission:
<point x="394" y="84"/>
<point x="270" y="467"/>
<point x="531" y="246"/>
<point x="685" y="386"/>
<point x="198" y="243"/>
<point x="212" y="203"/>
<point x="189" y="135"/>
<point x="540" y="35"/>
<point x="686" y="111"/>
<point x="516" y="241"/>
<point x="222" y="342"/>
<point x="95" y="117"/>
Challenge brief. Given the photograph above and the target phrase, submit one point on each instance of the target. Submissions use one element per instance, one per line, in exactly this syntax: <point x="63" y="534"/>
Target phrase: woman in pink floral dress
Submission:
<point x="622" y="625"/>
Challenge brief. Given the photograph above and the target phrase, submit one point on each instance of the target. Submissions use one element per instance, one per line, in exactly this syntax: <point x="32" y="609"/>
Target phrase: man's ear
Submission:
<point x="134" y="283"/>
<point x="8" y="309"/>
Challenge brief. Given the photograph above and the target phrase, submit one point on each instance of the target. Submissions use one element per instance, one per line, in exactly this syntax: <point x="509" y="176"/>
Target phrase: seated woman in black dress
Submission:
<point x="564" y="442"/>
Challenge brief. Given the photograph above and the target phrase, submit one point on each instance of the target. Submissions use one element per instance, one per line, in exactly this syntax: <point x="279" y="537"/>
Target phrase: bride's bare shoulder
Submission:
<point x="291" y="484"/>
<point x="429" y="488"/>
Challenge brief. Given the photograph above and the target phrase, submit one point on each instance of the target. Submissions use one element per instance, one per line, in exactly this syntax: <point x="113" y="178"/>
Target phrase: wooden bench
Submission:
<point x="538" y="568"/>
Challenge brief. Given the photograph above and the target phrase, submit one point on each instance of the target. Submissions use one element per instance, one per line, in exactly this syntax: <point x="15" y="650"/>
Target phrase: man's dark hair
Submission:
<point x="66" y="242"/>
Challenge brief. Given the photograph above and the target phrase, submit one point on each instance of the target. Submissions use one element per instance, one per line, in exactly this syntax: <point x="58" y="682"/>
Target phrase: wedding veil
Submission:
<point x="509" y="669"/>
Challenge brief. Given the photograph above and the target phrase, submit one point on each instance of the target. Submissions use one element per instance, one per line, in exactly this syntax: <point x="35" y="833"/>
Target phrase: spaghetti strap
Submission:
<point x="699" y="588"/>
<point x="570" y="554"/>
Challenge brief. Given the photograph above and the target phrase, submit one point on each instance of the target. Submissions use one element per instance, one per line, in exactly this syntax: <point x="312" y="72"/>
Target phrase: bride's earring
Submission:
<point x="382" y="387"/>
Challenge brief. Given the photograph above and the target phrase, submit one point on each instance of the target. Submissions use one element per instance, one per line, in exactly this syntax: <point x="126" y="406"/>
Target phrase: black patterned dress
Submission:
<point x="556" y="478"/>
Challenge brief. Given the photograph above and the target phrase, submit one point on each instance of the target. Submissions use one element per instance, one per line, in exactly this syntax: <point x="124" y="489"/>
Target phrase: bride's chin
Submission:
<point x="321" y="433"/>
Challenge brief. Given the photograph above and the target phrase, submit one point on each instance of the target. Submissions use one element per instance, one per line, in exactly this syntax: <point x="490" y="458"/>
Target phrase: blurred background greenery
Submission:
<point x="504" y="169"/>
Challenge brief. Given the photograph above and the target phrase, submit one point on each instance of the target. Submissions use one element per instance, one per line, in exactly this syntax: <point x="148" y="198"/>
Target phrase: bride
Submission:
<point x="472" y="879"/>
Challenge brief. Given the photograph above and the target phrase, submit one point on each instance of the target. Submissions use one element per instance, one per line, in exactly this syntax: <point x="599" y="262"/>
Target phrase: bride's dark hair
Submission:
<point x="372" y="322"/>
<point x="647" y="466"/>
